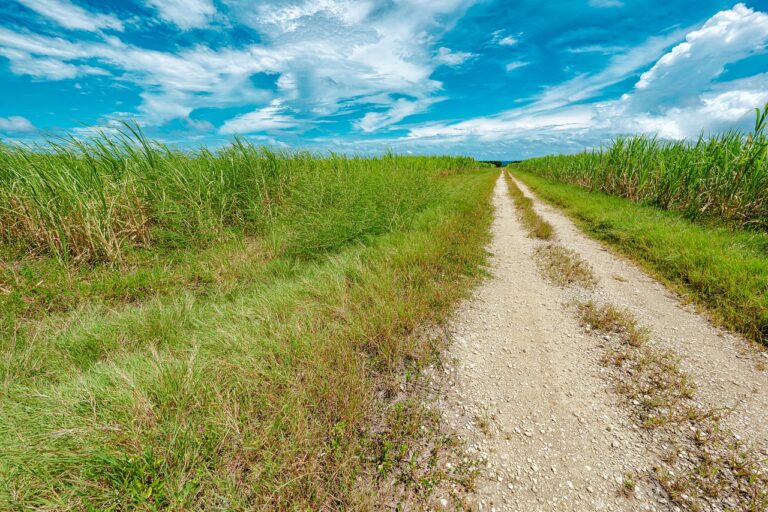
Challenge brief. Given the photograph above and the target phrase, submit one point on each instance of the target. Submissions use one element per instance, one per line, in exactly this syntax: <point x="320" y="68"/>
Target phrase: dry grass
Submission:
<point x="707" y="468"/>
<point x="608" y="319"/>
<point x="534" y="224"/>
<point x="564" y="267"/>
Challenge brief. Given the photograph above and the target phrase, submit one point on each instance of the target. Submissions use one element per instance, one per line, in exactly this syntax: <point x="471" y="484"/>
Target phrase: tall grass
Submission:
<point x="723" y="177"/>
<point x="92" y="199"/>
<point x="255" y="373"/>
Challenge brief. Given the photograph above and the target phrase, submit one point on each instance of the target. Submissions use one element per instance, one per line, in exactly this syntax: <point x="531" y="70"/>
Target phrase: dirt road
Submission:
<point x="527" y="392"/>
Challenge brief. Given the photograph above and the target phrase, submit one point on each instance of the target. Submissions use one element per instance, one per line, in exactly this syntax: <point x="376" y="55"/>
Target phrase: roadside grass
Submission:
<point x="723" y="269"/>
<point x="722" y="178"/>
<point x="534" y="224"/>
<point x="564" y="267"/>
<point x="245" y="362"/>
<point x="704" y="465"/>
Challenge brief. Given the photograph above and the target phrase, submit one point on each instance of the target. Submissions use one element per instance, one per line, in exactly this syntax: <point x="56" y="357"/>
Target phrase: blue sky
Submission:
<point x="492" y="79"/>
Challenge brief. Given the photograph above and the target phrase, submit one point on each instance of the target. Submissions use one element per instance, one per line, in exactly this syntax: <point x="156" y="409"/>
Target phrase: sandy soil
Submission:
<point x="526" y="391"/>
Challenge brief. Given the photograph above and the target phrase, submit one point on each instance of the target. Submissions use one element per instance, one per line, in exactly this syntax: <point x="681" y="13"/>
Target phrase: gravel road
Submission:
<point x="525" y="390"/>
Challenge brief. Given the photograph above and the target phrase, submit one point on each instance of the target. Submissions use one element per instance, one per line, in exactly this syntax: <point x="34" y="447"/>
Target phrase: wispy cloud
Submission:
<point x="71" y="16"/>
<point x="498" y="38"/>
<point x="508" y="41"/>
<point x="293" y="68"/>
<point x="598" y="48"/>
<point x="606" y="3"/>
<point x="676" y="97"/>
<point x="402" y="108"/>
<point x="269" y="118"/>
<point x="516" y="65"/>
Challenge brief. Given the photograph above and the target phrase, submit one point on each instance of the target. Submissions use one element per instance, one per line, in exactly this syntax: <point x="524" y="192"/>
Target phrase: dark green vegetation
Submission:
<point x="723" y="178"/>
<point x="221" y="331"/>
<point x="723" y="268"/>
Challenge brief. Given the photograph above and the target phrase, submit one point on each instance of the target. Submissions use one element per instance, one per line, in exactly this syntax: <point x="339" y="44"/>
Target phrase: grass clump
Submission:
<point x="534" y="224"/>
<point x="723" y="178"/>
<point x="564" y="267"/>
<point x="722" y="268"/>
<point x="241" y="357"/>
<point x="608" y="319"/>
<point x="704" y="465"/>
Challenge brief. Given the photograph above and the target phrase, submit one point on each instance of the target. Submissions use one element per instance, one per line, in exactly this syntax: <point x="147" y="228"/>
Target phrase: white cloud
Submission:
<point x="515" y="65"/>
<point x="508" y="41"/>
<point x="606" y="3"/>
<point x="269" y="118"/>
<point x="71" y="16"/>
<point x="289" y="16"/>
<point x="327" y="57"/>
<point x="727" y="37"/>
<point x="402" y="108"/>
<point x="598" y="48"/>
<point x="16" y="124"/>
<point x="678" y="97"/>
<point x="185" y="14"/>
<point x="620" y="67"/>
<point x="448" y="57"/>
<point x="52" y="69"/>
<point x="498" y="38"/>
<point x="174" y="84"/>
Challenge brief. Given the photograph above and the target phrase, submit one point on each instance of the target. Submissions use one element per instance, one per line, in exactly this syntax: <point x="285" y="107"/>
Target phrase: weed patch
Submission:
<point x="707" y="468"/>
<point x="564" y="267"/>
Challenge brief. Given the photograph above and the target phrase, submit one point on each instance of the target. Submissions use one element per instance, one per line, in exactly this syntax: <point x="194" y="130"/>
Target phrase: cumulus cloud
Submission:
<point x="729" y="36"/>
<point x="185" y="14"/>
<point x="679" y="95"/>
<point x="71" y="16"/>
<point x="448" y="57"/>
<point x="16" y="124"/>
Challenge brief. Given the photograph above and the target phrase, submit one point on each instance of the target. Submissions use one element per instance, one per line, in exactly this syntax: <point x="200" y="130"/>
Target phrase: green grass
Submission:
<point x="723" y="178"/>
<point x="93" y="200"/>
<point x="724" y="269"/>
<point x="536" y="226"/>
<point x="241" y="354"/>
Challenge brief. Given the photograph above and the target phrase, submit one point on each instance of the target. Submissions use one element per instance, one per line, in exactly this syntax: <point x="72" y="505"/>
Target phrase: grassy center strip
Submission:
<point x="533" y="223"/>
<point x="704" y="466"/>
<point x="559" y="265"/>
